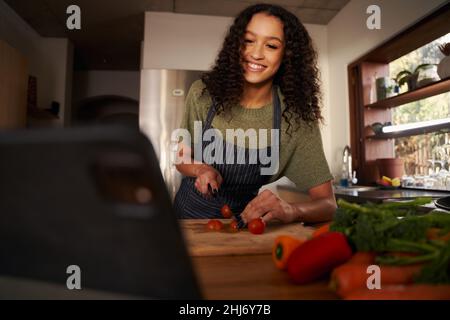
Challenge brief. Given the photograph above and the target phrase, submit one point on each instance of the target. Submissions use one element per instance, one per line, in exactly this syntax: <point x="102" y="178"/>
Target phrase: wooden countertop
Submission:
<point x="249" y="276"/>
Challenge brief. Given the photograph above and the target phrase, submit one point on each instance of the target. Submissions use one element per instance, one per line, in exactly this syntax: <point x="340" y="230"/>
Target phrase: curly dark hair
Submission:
<point x="297" y="76"/>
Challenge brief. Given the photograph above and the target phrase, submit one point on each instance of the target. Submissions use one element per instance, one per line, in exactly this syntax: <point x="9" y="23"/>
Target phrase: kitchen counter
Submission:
<point x="245" y="275"/>
<point x="378" y="195"/>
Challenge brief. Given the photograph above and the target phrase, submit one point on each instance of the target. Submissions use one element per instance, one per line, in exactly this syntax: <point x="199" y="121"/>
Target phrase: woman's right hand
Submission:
<point x="207" y="175"/>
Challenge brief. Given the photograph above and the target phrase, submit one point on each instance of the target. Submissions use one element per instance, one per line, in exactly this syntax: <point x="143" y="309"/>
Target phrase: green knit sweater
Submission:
<point x="302" y="159"/>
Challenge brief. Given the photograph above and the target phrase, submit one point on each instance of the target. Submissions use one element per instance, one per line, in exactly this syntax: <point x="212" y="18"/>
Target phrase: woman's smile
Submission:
<point x="255" y="67"/>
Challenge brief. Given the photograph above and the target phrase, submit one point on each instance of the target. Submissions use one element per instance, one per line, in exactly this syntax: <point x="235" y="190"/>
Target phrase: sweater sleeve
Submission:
<point x="194" y="109"/>
<point x="308" y="167"/>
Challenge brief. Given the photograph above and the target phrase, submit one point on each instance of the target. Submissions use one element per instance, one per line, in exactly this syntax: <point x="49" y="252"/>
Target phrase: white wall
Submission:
<point x="192" y="42"/>
<point x="182" y="41"/>
<point x="349" y="39"/>
<point x="98" y="82"/>
<point x="319" y="36"/>
<point x="49" y="59"/>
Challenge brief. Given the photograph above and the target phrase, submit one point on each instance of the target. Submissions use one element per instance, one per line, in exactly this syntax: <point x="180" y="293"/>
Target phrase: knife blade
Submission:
<point x="241" y="224"/>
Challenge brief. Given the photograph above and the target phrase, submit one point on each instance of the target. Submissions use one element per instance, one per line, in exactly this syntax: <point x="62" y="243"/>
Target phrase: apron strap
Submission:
<point x="277" y="108"/>
<point x="209" y="118"/>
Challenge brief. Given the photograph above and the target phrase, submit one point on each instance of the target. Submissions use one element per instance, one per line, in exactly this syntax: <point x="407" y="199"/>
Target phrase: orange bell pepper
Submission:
<point x="282" y="249"/>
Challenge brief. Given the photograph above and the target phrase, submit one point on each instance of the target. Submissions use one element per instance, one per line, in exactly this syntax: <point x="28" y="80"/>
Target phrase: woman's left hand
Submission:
<point x="268" y="206"/>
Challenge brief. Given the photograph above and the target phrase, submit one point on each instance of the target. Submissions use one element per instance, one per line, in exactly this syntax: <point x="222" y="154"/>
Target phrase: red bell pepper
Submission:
<point x="318" y="256"/>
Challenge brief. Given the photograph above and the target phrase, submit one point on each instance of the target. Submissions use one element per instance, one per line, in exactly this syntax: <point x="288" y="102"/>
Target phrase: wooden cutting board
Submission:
<point x="202" y="242"/>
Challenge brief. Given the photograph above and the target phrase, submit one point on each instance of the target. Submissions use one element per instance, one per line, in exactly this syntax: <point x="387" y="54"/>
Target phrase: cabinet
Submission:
<point x="367" y="147"/>
<point x="13" y="87"/>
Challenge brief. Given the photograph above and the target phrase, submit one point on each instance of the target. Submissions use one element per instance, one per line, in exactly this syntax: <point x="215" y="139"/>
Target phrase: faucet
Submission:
<point x="347" y="173"/>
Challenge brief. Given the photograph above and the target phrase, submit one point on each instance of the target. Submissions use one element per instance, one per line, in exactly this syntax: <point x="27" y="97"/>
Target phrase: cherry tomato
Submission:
<point x="226" y="212"/>
<point x="214" y="225"/>
<point x="234" y="226"/>
<point x="219" y="225"/>
<point x="256" y="226"/>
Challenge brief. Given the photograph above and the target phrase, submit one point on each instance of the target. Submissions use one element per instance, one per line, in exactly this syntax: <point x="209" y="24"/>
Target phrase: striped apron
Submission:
<point x="241" y="179"/>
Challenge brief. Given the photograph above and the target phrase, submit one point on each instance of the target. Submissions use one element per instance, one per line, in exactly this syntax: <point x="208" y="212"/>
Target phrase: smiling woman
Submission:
<point x="265" y="78"/>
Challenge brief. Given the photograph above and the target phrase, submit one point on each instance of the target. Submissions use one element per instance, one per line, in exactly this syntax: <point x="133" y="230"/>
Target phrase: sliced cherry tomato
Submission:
<point x="234" y="226"/>
<point x="214" y="225"/>
<point x="257" y="226"/>
<point x="226" y="212"/>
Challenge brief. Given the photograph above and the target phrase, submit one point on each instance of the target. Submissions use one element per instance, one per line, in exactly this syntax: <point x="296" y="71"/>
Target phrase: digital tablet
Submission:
<point x="91" y="198"/>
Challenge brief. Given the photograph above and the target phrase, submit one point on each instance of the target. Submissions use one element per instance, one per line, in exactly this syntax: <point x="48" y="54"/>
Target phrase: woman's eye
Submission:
<point x="272" y="46"/>
<point x="248" y="41"/>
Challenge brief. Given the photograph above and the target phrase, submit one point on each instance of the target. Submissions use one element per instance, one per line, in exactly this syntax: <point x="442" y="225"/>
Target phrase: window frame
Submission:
<point x="366" y="148"/>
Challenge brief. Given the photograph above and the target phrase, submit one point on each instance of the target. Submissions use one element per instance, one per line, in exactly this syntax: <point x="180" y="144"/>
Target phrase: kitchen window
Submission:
<point x="399" y="105"/>
<point x="427" y="153"/>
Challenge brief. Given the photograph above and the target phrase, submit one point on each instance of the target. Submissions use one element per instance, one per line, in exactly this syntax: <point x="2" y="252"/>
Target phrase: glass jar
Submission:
<point x="427" y="75"/>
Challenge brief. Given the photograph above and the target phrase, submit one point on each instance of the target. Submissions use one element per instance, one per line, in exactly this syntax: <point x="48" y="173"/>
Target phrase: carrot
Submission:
<point x="368" y="257"/>
<point x="282" y="249"/>
<point x="350" y="277"/>
<point x="435" y="234"/>
<point x="432" y="233"/>
<point x="323" y="229"/>
<point x="403" y="292"/>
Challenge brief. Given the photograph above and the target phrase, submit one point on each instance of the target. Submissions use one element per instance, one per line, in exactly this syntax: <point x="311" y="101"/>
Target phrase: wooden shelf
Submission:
<point x="429" y="90"/>
<point x="411" y="132"/>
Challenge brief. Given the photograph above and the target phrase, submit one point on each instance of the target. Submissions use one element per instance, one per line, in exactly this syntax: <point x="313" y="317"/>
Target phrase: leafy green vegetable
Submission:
<point x="397" y="227"/>
<point x="438" y="271"/>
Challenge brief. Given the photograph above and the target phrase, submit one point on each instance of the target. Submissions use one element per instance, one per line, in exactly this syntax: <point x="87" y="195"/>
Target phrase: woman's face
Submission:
<point x="263" y="48"/>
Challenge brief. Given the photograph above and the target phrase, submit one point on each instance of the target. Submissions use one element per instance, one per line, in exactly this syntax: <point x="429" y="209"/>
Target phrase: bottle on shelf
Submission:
<point x="373" y="89"/>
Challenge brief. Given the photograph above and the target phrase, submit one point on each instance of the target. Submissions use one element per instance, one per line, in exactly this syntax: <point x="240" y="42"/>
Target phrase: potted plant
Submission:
<point x="411" y="78"/>
<point x="443" y="68"/>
